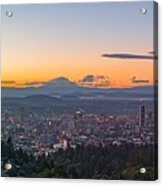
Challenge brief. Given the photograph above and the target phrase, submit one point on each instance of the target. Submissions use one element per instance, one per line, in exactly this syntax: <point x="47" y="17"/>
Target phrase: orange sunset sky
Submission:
<point x="44" y="42"/>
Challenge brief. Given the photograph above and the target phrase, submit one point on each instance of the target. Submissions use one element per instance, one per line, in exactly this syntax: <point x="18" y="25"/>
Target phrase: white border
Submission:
<point x="59" y="1"/>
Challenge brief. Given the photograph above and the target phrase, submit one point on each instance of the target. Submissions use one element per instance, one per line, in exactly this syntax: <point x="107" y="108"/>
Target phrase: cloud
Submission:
<point x="88" y="78"/>
<point x="8" y="82"/>
<point x="15" y="83"/>
<point x="139" y="80"/>
<point x="94" y="81"/>
<point x="33" y="83"/>
<point x="30" y="84"/>
<point x="129" y="56"/>
<point x="152" y="52"/>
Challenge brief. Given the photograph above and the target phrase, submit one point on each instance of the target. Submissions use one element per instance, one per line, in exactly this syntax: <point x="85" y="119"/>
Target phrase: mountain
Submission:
<point x="63" y="87"/>
<point x="61" y="84"/>
<point x="31" y="101"/>
<point x="57" y="86"/>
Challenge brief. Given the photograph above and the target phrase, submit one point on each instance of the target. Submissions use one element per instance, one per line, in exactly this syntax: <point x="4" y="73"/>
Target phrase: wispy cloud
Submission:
<point x="30" y="84"/>
<point x="139" y="80"/>
<point x="22" y="84"/>
<point x="8" y="82"/>
<point x="34" y="83"/>
<point x="130" y="56"/>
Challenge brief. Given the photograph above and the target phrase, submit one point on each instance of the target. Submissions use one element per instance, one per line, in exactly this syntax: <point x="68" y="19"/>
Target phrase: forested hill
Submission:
<point x="112" y="162"/>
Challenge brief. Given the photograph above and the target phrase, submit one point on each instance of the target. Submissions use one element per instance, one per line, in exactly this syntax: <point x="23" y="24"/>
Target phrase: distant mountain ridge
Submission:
<point x="63" y="86"/>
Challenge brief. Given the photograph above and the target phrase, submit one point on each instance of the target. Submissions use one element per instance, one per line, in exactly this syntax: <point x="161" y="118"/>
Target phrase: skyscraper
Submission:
<point x="78" y="119"/>
<point x="142" y="112"/>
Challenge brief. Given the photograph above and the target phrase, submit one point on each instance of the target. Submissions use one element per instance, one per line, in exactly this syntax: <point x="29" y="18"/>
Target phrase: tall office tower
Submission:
<point x="142" y="112"/>
<point x="78" y="119"/>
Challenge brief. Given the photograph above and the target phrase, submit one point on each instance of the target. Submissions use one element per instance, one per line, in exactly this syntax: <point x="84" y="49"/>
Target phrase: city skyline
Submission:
<point x="79" y="91"/>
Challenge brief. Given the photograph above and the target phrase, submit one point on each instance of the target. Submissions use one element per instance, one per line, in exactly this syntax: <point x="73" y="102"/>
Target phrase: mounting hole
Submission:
<point x="142" y="170"/>
<point x="9" y="14"/>
<point x="8" y="166"/>
<point x="143" y="11"/>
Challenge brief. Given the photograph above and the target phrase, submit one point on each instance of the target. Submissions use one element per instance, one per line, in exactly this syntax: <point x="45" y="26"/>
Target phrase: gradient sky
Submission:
<point x="43" y="42"/>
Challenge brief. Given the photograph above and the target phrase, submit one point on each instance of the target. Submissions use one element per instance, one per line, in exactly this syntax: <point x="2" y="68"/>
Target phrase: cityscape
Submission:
<point x="79" y="91"/>
<point x="40" y="133"/>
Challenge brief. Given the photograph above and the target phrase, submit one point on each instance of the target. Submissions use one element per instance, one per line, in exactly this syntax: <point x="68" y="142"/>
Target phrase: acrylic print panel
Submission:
<point x="79" y="86"/>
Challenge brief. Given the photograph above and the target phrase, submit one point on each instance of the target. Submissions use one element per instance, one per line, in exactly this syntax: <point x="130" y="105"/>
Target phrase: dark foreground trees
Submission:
<point x="112" y="162"/>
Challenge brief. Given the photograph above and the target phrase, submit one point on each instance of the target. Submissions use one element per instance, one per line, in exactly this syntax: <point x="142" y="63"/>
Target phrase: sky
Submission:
<point x="91" y="44"/>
